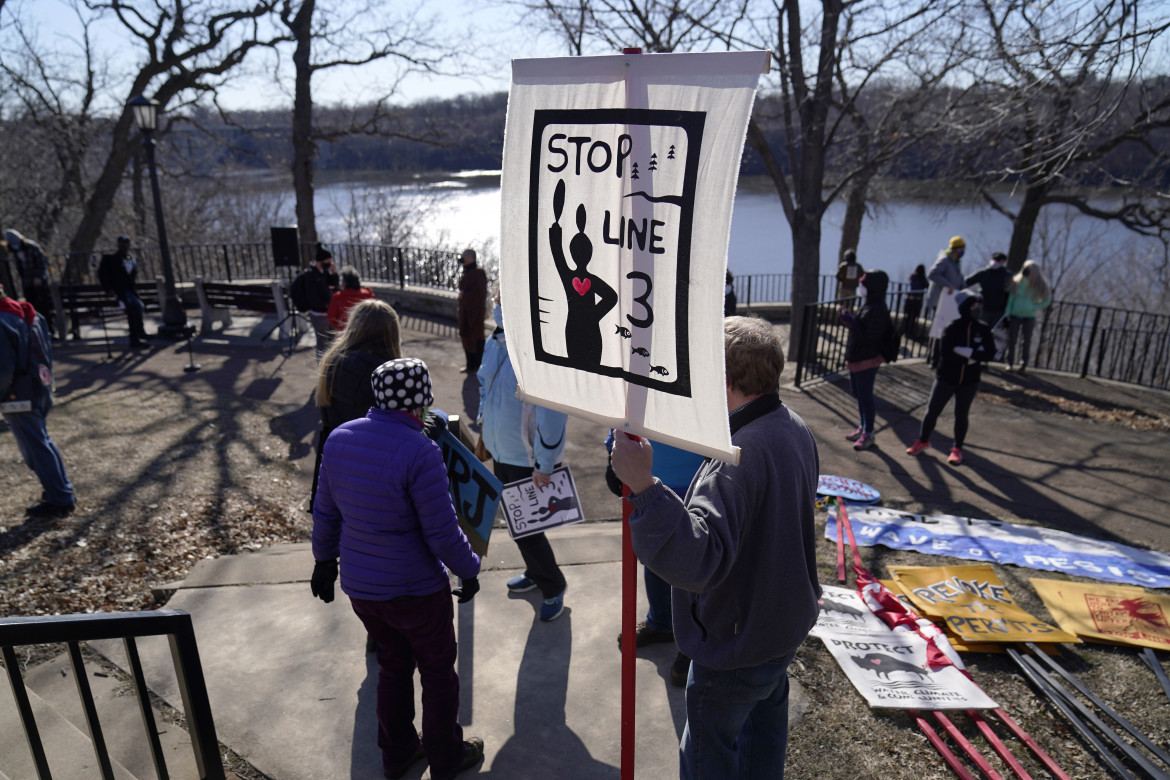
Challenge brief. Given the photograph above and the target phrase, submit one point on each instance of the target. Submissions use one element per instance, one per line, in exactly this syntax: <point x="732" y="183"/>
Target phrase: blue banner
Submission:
<point x="475" y="491"/>
<point x="1032" y="547"/>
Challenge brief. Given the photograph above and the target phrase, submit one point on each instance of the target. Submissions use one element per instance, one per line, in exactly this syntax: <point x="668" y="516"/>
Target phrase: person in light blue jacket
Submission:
<point x="525" y="441"/>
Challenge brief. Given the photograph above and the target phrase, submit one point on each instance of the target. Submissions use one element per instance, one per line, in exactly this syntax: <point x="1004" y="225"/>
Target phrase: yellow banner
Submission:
<point x="1110" y="613"/>
<point x="976" y="606"/>
<point x="963" y="647"/>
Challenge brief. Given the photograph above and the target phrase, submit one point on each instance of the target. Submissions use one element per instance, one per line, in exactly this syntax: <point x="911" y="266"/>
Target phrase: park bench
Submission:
<point x="79" y="301"/>
<point x="217" y="300"/>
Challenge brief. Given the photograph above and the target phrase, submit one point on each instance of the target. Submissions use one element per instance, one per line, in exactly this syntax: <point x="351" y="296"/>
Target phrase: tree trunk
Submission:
<point x="806" y="271"/>
<point x="855" y="200"/>
<point x="304" y="147"/>
<point x="101" y="199"/>
<point x="1025" y="224"/>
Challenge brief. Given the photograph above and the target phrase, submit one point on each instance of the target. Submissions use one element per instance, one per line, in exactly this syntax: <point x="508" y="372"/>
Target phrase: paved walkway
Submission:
<point x="292" y="689"/>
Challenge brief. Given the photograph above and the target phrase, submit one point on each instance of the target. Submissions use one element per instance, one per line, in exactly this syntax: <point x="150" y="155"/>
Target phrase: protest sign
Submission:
<point x="890" y="670"/>
<point x="1033" y="547"/>
<point x="530" y="510"/>
<point x="848" y="489"/>
<point x="619" y="176"/>
<point x="1109" y="613"/>
<point x="975" y="605"/>
<point x="475" y="491"/>
<point x="842" y="611"/>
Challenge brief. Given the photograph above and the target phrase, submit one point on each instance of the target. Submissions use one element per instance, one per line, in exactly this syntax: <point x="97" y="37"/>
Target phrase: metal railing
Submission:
<point x="1105" y="342"/>
<point x="71" y="630"/>
<point x="415" y="266"/>
<point x="1075" y="338"/>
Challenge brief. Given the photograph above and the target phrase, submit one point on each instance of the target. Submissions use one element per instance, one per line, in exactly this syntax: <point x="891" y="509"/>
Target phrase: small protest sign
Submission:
<point x="475" y="491"/>
<point x="531" y="510"/>
<point x="848" y="489"/>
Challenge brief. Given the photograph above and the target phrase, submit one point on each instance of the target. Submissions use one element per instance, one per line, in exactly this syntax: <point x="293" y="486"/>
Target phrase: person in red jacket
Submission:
<point x="347" y="297"/>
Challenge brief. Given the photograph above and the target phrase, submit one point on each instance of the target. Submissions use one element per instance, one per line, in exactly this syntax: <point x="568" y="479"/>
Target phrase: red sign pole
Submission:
<point x="629" y="638"/>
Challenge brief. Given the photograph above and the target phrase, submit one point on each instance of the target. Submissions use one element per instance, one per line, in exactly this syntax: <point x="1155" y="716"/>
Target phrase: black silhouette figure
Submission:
<point x="589" y="297"/>
<point x="556" y="504"/>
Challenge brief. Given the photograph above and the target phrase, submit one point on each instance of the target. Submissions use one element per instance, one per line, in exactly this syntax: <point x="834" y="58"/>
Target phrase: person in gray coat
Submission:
<point x="740" y="554"/>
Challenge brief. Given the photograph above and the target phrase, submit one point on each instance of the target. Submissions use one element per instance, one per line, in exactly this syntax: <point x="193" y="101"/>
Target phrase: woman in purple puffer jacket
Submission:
<point x="383" y="505"/>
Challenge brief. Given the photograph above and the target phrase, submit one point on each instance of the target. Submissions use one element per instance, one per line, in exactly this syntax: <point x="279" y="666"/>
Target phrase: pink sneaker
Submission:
<point x="917" y="447"/>
<point x="864" y="442"/>
<point x="956" y="456"/>
<point x="857" y="434"/>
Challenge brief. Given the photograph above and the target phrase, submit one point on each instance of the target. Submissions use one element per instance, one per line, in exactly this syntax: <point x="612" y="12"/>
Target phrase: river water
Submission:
<point x="464" y="210"/>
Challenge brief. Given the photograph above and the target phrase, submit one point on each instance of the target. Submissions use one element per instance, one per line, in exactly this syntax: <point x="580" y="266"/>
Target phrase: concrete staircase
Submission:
<point x="60" y="719"/>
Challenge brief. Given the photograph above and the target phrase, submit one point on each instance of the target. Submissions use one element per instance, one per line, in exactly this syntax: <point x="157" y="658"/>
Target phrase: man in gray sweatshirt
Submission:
<point x="740" y="554"/>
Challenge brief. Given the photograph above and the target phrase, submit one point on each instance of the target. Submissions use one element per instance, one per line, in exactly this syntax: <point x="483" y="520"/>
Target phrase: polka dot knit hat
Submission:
<point x="403" y="384"/>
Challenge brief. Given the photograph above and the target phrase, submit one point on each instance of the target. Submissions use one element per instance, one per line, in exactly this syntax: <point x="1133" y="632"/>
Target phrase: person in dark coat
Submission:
<point x="33" y="267"/>
<point x="320" y="282"/>
<point x="384" y="508"/>
<point x="993" y="282"/>
<point x="473" y="288"/>
<point x="370" y="338"/>
<point x="118" y="274"/>
<point x="965" y="345"/>
<point x="729" y="299"/>
<point x="869" y="330"/>
<point x="913" y="305"/>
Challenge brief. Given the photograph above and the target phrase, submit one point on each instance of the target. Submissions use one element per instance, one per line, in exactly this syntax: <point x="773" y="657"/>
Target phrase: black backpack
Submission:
<point x="891" y="344"/>
<point x="298" y="293"/>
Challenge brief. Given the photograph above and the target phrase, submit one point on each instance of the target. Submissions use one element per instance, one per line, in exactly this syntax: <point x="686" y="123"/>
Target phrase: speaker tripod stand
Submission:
<point x="293" y="317"/>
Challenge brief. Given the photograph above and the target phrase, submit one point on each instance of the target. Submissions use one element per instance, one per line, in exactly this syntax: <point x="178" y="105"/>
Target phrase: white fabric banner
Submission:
<point x="618" y="182"/>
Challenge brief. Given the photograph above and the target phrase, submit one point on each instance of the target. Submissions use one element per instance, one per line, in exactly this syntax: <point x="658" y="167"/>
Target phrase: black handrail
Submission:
<point x="71" y="630"/>
<point x="1074" y="338"/>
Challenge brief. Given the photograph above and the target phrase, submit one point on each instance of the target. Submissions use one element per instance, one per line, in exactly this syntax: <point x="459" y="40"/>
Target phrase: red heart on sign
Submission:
<point x="581" y="285"/>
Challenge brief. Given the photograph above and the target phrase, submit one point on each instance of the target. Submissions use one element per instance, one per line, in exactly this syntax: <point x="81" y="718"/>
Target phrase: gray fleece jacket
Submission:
<point x="740" y="551"/>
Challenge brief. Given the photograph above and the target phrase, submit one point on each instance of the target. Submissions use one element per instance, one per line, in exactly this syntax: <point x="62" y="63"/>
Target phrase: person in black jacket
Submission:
<point x="371" y="337"/>
<point x="966" y="344"/>
<point x="869" y="330"/>
<point x="320" y="281"/>
<point x="118" y="274"/>
<point x="993" y="284"/>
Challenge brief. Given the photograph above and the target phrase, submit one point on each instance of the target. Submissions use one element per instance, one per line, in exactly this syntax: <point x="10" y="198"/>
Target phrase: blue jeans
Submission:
<point x="135" y="316"/>
<point x="862" y="383"/>
<point x="39" y="452"/>
<point x="737" y="722"/>
<point x="658" y="617"/>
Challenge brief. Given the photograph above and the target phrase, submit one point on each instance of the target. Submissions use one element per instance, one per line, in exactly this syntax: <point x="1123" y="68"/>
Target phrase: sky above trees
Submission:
<point x="493" y="33"/>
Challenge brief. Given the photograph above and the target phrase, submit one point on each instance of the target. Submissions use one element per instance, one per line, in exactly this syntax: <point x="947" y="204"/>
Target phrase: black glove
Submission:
<point x="467" y="589"/>
<point x="324" y="575"/>
<point x="433" y="426"/>
<point x="611" y="478"/>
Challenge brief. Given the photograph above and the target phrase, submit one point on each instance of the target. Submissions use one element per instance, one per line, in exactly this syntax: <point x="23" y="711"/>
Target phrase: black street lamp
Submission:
<point x="174" y="316"/>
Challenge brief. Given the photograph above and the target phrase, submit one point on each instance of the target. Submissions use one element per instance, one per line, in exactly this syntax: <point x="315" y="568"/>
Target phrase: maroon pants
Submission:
<point x="416" y="632"/>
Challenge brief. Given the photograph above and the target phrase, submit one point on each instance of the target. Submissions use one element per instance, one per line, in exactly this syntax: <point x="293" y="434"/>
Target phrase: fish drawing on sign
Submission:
<point x="640" y="351"/>
<point x="884" y="665"/>
<point x="659" y="370"/>
<point x="589" y="297"/>
<point x="623" y="332"/>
